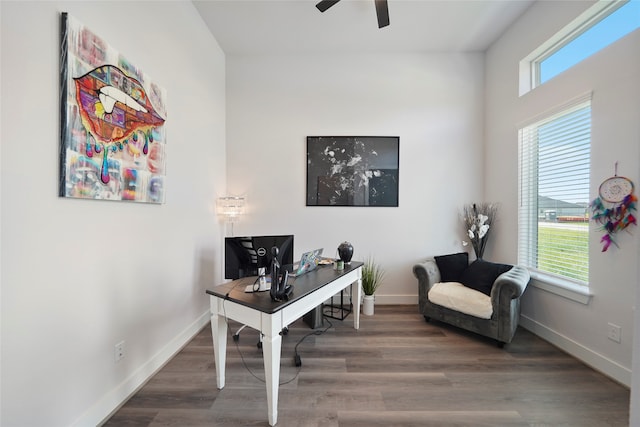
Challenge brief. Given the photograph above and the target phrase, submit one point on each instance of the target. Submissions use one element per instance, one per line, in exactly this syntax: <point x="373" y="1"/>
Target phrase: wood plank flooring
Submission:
<point x="397" y="370"/>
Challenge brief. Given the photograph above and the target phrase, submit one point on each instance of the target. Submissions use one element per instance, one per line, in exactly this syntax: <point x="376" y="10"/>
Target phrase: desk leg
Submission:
<point x="271" y="347"/>
<point x="356" y="305"/>
<point x="219" y="335"/>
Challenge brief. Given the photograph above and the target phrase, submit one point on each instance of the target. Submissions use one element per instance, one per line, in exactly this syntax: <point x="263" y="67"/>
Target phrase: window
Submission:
<point x="612" y="26"/>
<point x="599" y="26"/>
<point x="553" y="214"/>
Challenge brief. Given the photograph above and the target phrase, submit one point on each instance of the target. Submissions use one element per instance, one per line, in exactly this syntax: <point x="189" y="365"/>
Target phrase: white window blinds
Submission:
<point x="554" y="161"/>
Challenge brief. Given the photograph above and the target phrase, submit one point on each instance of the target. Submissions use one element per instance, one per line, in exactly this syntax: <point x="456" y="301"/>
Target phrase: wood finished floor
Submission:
<point x="397" y="370"/>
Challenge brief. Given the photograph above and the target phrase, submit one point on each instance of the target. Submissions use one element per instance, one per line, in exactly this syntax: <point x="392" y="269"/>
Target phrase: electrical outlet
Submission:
<point x="615" y="332"/>
<point x="119" y="351"/>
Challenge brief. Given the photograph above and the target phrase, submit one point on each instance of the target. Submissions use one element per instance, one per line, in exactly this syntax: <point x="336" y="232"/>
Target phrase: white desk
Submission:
<point x="229" y="301"/>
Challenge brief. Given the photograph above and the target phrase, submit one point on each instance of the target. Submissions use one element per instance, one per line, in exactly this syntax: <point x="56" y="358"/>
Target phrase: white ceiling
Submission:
<point x="296" y="26"/>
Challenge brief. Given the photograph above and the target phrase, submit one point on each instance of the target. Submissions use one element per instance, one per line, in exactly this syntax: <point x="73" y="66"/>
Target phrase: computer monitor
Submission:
<point x="244" y="255"/>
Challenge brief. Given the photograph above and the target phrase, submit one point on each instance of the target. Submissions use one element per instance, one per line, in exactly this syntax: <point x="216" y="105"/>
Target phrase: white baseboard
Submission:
<point x="595" y="360"/>
<point x="397" y="300"/>
<point x="102" y="410"/>
<point x="383" y="299"/>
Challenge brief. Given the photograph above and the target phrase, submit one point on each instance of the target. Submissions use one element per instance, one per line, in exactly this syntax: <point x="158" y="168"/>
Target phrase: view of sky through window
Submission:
<point x="615" y="26"/>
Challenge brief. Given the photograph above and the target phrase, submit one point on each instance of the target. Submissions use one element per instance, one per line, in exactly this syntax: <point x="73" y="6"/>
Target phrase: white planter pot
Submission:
<point x="367" y="305"/>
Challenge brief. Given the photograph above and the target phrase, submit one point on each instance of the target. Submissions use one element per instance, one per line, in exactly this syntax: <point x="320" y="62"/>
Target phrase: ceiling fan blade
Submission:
<point x="382" y="10"/>
<point x="326" y="4"/>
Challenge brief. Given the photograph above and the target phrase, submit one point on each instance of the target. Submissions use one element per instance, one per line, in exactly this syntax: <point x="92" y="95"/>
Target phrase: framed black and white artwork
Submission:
<point x="352" y="170"/>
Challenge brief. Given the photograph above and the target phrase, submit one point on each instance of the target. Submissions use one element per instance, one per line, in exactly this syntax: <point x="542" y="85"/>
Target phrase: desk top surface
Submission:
<point x="302" y="285"/>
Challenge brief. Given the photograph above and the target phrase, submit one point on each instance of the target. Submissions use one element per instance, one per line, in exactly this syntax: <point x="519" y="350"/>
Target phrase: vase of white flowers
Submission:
<point x="478" y="218"/>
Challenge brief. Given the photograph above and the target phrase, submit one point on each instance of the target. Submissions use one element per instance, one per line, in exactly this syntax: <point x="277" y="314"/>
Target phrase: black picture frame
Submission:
<point x="353" y="170"/>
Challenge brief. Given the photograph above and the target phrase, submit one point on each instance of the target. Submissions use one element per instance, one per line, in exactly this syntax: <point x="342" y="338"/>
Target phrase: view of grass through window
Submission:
<point x="563" y="249"/>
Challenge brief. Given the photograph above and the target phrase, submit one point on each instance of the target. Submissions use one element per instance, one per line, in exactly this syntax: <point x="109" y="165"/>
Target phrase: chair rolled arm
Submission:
<point x="511" y="284"/>
<point x="427" y="273"/>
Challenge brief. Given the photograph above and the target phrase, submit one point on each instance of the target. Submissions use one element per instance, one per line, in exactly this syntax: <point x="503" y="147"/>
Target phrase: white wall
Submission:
<point x="79" y="276"/>
<point x="634" y="416"/>
<point x="432" y="102"/>
<point x="613" y="75"/>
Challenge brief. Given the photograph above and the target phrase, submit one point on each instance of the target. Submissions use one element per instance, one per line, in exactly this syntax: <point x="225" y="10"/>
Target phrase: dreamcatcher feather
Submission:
<point x="614" y="208"/>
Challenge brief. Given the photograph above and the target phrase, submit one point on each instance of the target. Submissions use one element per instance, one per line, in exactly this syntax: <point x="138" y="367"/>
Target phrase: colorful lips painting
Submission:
<point x="114" y="108"/>
<point x="112" y="114"/>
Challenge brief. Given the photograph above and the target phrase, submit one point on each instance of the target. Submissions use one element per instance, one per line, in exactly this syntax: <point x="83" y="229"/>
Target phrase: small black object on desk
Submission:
<point x="280" y="290"/>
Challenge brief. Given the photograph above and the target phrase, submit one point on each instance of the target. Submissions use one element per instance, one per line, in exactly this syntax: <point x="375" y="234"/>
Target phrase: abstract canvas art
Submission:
<point x="112" y="122"/>
<point x="352" y="170"/>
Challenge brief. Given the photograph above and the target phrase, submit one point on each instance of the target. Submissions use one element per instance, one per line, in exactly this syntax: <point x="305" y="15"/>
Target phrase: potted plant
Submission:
<point x="372" y="275"/>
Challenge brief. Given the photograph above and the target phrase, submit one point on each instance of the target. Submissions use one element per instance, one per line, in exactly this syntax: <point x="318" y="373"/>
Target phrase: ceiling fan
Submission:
<point x="382" y="10"/>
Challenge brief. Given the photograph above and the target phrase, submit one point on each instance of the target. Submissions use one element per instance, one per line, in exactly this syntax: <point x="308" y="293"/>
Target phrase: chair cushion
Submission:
<point x="460" y="298"/>
<point x="480" y="275"/>
<point x="452" y="266"/>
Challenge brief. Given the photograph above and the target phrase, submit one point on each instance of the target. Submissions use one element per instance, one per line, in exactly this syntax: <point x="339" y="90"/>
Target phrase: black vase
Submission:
<point x="345" y="251"/>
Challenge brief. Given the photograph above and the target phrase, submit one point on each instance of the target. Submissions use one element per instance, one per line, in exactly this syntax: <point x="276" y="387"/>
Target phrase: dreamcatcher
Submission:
<point x="614" y="207"/>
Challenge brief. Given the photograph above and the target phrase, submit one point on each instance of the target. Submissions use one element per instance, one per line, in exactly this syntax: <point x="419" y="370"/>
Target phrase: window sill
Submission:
<point x="564" y="288"/>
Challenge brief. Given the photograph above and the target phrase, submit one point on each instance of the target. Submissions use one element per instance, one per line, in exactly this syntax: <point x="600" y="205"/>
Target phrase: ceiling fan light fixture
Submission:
<point x="326" y="4"/>
<point x="382" y="10"/>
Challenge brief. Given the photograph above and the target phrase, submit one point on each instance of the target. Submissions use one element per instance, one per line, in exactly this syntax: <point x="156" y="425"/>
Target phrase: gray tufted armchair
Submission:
<point x="505" y="300"/>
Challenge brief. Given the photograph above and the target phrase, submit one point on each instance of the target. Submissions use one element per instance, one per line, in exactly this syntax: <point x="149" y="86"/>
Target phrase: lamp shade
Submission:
<point x="230" y="207"/>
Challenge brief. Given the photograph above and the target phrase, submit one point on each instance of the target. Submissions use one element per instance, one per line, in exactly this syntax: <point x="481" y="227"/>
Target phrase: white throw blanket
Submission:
<point x="458" y="297"/>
